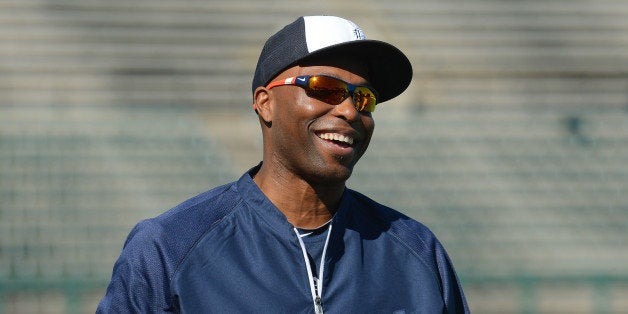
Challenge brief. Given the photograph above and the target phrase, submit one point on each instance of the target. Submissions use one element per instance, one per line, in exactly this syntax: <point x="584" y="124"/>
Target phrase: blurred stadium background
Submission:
<point x="511" y="144"/>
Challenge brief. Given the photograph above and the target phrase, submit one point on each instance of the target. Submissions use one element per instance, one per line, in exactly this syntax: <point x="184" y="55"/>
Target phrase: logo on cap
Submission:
<point x="359" y="34"/>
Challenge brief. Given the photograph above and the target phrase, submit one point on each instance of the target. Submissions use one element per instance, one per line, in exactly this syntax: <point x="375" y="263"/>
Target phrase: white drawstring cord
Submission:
<point x="315" y="288"/>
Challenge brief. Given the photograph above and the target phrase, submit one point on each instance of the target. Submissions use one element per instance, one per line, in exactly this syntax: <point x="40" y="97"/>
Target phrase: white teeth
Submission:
<point x="336" y="137"/>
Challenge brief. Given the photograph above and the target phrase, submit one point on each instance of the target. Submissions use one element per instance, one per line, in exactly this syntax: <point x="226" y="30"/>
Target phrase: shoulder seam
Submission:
<point x="209" y="228"/>
<point x="394" y="234"/>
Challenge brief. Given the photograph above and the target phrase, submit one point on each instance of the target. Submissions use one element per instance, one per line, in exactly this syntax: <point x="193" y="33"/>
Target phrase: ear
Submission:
<point x="262" y="104"/>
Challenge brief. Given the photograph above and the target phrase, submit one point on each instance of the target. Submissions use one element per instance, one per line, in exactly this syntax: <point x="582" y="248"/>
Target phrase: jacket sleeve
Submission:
<point x="455" y="301"/>
<point x="140" y="280"/>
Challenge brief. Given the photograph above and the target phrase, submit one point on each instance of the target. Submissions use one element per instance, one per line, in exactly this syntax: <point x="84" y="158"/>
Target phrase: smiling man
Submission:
<point x="288" y="236"/>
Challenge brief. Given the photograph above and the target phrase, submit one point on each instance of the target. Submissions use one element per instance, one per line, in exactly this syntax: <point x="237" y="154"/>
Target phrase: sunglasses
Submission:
<point x="332" y="90"/>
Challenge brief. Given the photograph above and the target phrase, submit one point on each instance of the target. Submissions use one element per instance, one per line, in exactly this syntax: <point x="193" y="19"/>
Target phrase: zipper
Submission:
<point x="316" y="286"/>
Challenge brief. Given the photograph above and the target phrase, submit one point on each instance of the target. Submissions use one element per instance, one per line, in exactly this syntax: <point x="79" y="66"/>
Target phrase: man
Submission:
<point x="288" y="236"/>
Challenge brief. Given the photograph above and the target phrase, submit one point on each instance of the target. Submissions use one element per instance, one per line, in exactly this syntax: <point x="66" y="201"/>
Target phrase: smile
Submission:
<point x="337" y="138"/>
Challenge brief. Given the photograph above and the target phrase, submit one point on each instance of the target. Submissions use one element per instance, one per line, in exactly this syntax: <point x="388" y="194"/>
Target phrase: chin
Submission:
<point x="334" y="175"/>
<point x="329" y="170"/>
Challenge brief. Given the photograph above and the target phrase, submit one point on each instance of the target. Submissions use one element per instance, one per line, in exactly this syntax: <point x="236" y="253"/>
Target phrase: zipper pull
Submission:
<point x="319" y="305"/>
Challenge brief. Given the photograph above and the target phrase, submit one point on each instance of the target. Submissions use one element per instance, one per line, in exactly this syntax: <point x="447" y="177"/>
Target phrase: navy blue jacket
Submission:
<point x="230" y="250"/>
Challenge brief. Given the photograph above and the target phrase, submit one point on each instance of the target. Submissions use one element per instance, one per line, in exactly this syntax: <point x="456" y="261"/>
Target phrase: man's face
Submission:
<point x="314" y="140"/>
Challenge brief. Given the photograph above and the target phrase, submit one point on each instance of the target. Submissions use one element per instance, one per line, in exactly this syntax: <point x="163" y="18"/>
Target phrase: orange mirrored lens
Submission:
<point x="334" y="92"/>
<point x="327" y="89"/>
<point x="363" y="99"/>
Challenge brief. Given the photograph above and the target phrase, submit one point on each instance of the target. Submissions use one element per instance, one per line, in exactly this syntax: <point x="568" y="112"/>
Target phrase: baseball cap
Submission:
<point x="390" y="71"/>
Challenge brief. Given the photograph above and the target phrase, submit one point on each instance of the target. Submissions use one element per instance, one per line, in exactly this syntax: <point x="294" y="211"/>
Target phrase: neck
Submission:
<point x="304" y="204"/>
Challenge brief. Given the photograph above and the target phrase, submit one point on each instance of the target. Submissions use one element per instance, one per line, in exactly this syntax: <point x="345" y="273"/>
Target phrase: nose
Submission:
<point x="346" y="110"/>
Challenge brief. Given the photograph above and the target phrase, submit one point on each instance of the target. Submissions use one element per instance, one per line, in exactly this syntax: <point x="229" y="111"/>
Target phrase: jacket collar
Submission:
<point x="258" y="203"/>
